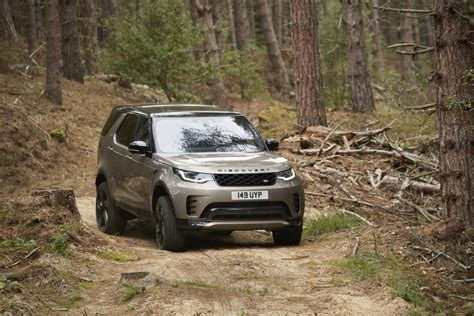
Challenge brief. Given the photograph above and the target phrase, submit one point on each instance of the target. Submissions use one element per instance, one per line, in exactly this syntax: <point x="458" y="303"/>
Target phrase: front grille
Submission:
<point x="245" y="179"/>
<point x="232" y="211"/>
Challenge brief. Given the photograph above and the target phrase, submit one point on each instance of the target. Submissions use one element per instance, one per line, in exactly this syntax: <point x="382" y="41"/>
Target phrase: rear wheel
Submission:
<point x="167" y="234"/>
<point x="109" y="219"/>
<point x="288" y="237"/>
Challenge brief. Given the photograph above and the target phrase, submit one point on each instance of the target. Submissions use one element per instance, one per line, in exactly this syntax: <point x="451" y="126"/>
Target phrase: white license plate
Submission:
<point x="250" y="195"/>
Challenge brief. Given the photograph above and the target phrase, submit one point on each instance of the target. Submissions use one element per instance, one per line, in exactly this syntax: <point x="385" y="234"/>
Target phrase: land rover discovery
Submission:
<point x="193" y="167"/>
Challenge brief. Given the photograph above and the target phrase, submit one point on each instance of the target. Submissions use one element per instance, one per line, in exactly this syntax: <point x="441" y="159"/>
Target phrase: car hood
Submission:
<point x="226" y="162"/>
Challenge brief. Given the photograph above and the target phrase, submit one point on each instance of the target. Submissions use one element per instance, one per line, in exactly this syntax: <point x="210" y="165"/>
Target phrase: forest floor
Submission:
<point x="44" y="146"/>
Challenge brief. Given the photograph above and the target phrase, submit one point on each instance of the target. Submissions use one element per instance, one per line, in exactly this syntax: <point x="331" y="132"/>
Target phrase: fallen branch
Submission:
<point x="422" y="211"/>
<point x="443" y="254"/>
<point x="358" y="216"/>
<point x="422" y="107"/>
<point x="400" y="10"/>
<point x="356" y="246"/>
<point x="415" y="52"/>
<point x="32" y="252"/>
<point x="296" y="258"/>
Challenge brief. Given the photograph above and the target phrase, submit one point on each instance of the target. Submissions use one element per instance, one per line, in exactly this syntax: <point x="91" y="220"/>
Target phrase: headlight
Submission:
<point x="286" y="175"/>
<point x="195" y="177"/>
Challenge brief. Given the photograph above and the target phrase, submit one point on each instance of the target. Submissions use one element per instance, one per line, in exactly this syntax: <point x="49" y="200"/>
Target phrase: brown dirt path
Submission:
<point x="240" y="274"/>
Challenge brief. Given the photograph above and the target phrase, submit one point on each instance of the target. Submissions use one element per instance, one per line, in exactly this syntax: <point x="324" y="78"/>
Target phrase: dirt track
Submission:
<point x="239" y="274"/>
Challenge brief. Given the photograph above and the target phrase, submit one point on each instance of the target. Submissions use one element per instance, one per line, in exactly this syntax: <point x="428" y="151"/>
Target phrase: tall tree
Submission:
<point x="53" y="54"/>
<point x="307" y="63"/>
<point x="241" y="23"/>
<point x="251" y="19"/>
<point x="407" y="64"/>
<point x="8" y="20"/>
<point x="90" y="35"/>
<point x="357" y="67"/>
<point x="32" y="37"/>
<point x="273" y="49"/>
<point x="70" y="49"/>
<point x="376" y="37"/>
<point x="203" y="8"/>
<point x="40" y="33"/>
<point x="454" y="59"/>
<point x="278" y="19"/>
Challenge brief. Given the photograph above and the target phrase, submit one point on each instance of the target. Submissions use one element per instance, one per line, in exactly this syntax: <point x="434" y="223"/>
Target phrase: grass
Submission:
<point x="386" y="270"/>
<point x="117" y="256"/>
<point x="130" y="292"/>
<point x="58" y="244"/>
<point x="20" y="243"/>
<point x="328" y="223"/>
<point x="73" y="301"/>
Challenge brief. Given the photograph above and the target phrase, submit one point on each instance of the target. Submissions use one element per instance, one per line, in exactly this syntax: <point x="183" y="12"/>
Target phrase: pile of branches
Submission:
<point x="326" y="153"/>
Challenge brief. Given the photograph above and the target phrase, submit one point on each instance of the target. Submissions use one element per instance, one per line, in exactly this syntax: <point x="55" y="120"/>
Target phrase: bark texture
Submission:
<point x="241" y="23"/>
<point x="70" y="49"/>
<point x="90" y="36"/>
<point x="53" y="54"/>
<point x="454" y="58"/>
<point x="203" y="8"/>
<point x="307" y="64"/>
<point x="251" y="19"/>
<point x="32" y="38"/>
<point x="376" y="38"/>
<point x="40" y="33"/>
<point x="273" y="49"/>
<point x="357" y="66"/>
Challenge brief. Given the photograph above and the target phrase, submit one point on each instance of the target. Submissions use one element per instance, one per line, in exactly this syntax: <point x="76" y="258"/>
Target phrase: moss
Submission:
<point x="117" y="256"/>
<point x="58" y="135"/>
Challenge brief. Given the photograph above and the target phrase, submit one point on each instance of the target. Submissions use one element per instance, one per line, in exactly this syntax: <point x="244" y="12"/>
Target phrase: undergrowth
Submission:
<point x="328" y="223"/>
<point x="117" y="256"/>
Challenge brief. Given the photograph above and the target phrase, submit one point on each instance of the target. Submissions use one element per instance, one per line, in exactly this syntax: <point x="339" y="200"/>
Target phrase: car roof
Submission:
<point x="172" y="109"/>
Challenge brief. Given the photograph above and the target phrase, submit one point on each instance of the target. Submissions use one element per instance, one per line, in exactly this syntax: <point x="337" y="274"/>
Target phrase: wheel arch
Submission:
<point x="100" y="178"/>
<point x="159" y="190"/>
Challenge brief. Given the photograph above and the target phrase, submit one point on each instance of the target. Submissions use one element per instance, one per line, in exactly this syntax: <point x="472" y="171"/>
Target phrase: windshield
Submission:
<point x="206" y="134"/>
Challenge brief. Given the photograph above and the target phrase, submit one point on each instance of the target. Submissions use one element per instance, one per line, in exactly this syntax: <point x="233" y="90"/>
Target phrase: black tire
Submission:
<point x="167" y="235"/>
<point x="288" y="237"/>
<point x="109" y="219"/>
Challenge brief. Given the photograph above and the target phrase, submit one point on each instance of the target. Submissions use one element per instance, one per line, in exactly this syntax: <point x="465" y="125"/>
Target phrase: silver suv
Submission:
<point x="193" y="167"/>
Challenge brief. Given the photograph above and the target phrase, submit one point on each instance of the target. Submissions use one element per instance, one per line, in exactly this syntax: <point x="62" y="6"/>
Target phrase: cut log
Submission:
<point x="64" y="198"/>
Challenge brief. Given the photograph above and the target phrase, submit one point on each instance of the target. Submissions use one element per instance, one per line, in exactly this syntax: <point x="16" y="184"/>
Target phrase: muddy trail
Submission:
<point x="238" y="274"/>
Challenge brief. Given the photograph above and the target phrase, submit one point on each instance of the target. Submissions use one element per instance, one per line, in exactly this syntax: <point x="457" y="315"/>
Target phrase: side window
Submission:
<point x="126" y="131"/>
<point x="114" y="115"/>
<point x="143" y="130"/>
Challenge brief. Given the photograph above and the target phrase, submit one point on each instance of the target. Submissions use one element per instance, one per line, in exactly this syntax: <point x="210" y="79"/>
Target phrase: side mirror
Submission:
<point x="138" y="147"/>
<point x="272" y="144"/>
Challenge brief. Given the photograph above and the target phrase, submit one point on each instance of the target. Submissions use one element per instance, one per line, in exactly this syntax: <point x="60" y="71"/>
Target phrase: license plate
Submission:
<point x="250" y="195"/>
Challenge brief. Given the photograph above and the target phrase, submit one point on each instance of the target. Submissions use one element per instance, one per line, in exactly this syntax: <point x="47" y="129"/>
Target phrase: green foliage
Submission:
<point x="20" y="243"/>
<point x="241" y="68"/>
<point x="58" y="135"/>
<point x="452" y="103"/>
<point x="73" y="301"/>
<point x="130" y="292"/>
<point x="59" y="243"/>
<point x="156" y="48"/>
<point x="117" y="256"/>
<point x="195" y="283"/>
<point x="328" y="223"/>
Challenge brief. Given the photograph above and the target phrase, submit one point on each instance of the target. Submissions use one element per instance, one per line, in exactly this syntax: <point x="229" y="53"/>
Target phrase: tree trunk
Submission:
<point x="357" y="69"/>
<point x="17" y="11"/>
<point x="241" y="24"/>
<point x="307" y="64"/>
<point x="273" y="49"/>
<point x="251" y="19"/>
<point x="407" y="65"/>
<point x="8" y="20"/>
<point x="53" y="54"/>
<point x="110" y="8"/>
<point x="454" y="59"/>
<point x="71" y="52"/>
<point x="277" y="19"/>
<point x="203" y="8"/>
<point x="40" y="34"/>
<point x="233" y="39"/>
<point x="376" y="38"/>
<point x="90" y="36"/>
<point x="32" y="38"/>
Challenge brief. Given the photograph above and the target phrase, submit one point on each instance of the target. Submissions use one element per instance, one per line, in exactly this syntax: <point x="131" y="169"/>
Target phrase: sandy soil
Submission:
<point x="240" y="274"/>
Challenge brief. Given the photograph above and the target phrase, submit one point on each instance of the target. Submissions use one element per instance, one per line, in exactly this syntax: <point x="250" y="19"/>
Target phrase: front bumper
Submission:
<point x="208" y="206"/>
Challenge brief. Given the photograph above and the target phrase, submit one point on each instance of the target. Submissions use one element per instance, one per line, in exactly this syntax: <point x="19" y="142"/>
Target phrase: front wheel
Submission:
<point x="167" y="234"/>
<point x="109" y="219"/>
<point x="288" y="237"/>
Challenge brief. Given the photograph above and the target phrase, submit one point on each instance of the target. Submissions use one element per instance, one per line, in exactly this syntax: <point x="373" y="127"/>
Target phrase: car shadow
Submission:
<point x="143" y="231"/>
